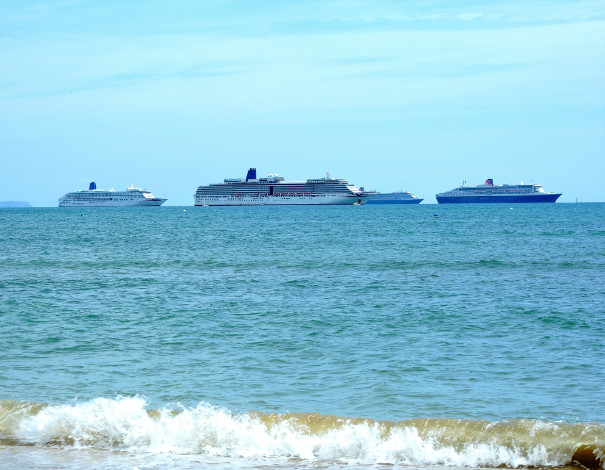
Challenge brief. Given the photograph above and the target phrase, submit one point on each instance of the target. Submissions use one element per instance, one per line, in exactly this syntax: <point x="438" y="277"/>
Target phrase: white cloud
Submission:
<point x="469" y="16"/>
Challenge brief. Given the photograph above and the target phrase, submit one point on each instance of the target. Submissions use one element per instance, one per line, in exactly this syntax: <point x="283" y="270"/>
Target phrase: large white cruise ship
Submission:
<point x="93" y="197"/>
<point x="273" y="190"/>
<point x="399" y="197"/>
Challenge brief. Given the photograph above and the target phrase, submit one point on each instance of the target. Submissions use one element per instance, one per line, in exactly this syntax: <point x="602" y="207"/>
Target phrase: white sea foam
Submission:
<point x="125" y="424"/>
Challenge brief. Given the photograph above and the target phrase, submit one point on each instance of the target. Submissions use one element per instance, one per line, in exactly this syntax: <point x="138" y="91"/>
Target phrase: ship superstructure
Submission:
<point x="93" y="197"/>
<point x="489" y="193"/>
<point x="274" y="190"/>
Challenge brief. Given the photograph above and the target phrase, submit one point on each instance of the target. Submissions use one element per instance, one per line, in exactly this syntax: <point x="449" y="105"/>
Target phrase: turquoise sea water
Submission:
<point x="302" y="337"/>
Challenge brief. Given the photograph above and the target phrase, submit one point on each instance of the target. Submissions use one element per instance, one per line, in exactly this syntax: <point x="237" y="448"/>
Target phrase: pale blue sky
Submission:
<point x="391" y="95"/>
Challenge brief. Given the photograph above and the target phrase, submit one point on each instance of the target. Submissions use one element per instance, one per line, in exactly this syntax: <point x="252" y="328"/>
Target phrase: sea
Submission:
<point x="423" y="337"/>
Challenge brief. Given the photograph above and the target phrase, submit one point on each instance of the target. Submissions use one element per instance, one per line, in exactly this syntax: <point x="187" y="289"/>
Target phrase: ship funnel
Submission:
<point x="92" y="186"/>
<point x="489" y="182"/>
<point x="251" y="174"/>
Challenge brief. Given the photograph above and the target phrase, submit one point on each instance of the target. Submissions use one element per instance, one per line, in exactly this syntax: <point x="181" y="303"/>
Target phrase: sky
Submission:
<point x="391" y="95"/>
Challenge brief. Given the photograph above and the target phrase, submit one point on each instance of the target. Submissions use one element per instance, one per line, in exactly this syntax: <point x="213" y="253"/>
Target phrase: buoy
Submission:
<point x="436" y="216"/>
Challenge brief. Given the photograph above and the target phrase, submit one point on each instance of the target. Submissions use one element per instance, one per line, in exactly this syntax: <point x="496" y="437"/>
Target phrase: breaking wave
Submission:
<point x="125" y="423"/>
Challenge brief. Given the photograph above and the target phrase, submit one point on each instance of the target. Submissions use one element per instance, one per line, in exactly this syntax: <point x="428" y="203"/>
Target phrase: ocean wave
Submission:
<point x="125" y="423"/>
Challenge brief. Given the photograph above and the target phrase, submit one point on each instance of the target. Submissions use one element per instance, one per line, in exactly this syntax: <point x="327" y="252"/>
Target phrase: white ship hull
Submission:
<point x="111" y="203"/>
<point x="93" y="197"/>
<point x="280" y="200"/>
<point x="274" y="191"/>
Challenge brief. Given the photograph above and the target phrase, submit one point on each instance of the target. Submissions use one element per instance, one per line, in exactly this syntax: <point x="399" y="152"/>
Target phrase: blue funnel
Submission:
<point x="251" y="174"/>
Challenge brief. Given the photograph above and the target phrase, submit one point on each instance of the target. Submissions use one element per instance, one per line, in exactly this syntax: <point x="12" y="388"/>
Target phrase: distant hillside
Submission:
<point x="14" y="204"/>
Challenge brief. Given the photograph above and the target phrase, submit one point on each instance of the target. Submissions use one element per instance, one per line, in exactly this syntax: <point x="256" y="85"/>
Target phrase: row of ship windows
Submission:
<point x="201" y="196"/>
<point x="275" y="191"/>
<point x="497" y="192"/>
<point x="99" y="199"/>
<point x="276" y="187"/>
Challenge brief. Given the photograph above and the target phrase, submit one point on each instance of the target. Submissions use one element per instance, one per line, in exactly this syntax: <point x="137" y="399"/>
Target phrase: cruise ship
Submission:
<point x="488" y="193"/>
<point x="273" y="190"/>
<point x="398" y="197"/>
<point x="93" y="197"/>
